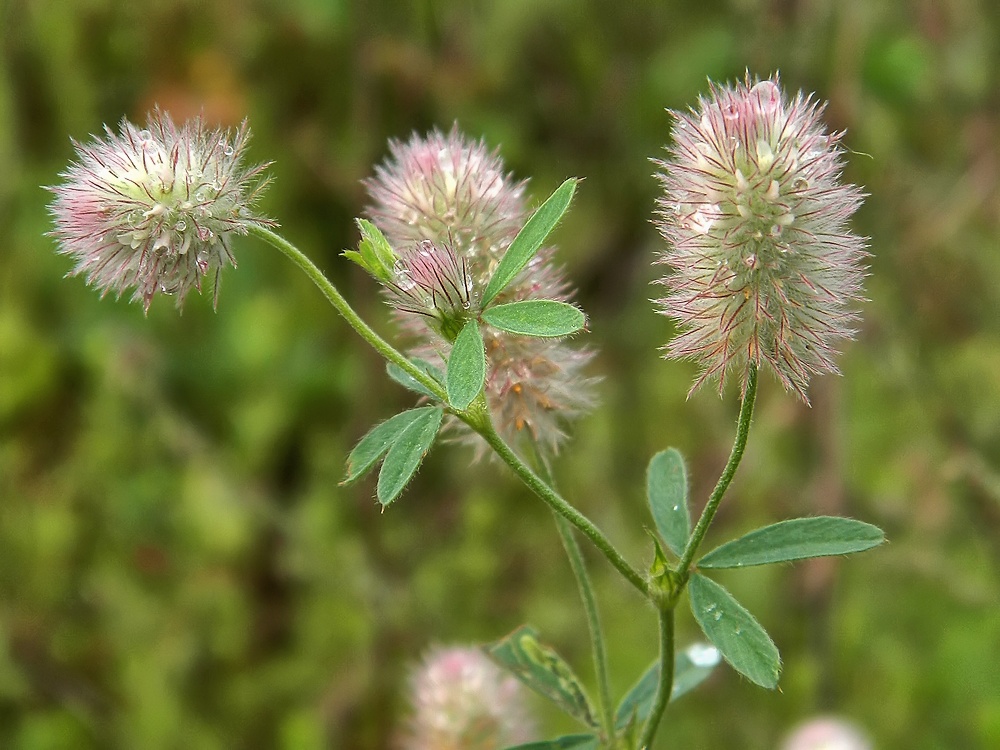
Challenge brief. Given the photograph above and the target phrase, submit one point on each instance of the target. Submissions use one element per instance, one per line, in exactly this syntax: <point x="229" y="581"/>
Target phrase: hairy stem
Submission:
<point x="336" y="299"/>
<point x="563" y="508"/>
<point x="735" y="456"/>
<point x="665" y="686"/>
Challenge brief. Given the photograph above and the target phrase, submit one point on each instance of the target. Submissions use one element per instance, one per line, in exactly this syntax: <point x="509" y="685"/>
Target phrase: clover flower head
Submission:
<point x="446" y="187"/>
<point x="446" y="194"/>
<point x="462" y="701"/>
<point x="155" y="208"/>
<point x="827" y="733"/>
<point x="764" y="269"/>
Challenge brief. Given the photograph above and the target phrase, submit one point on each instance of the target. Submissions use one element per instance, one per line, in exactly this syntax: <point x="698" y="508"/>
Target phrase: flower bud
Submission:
<point x="763" y="266"/>
<point x="462" y="701"/>
<point x="433" y="282"/>
<point x="155" y="208"/>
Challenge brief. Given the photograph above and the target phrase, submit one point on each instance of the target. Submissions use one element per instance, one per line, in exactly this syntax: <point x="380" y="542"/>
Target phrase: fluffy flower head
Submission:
<point x="827" y="733"/>
<point x="462" y="701"/>
<point x="763" y="266"/>
<point x="450" y="211"/>
<point x="154" y="208"/>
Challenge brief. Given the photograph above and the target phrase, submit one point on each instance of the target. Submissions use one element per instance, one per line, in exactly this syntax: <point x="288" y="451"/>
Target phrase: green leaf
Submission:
<point x="402" y="377"/>
<point x="377" y="441"/>
<point x="374" y="253"/>
<point x="568" y="742"/>
<point x="667" y="493"/>
<point x="735" y="632"/>
<point x="529" y="239"/>
<point x="544" y="318"/>
<point x="466" y="366"/>
<point x="795" y="539"/>
<point x="406" y="453"/>
<point x="691" y="667"/>
<point x="544" y="671"/>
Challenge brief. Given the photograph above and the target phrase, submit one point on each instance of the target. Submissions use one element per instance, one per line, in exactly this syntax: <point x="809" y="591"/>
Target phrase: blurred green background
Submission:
<point x="178" y="567"/>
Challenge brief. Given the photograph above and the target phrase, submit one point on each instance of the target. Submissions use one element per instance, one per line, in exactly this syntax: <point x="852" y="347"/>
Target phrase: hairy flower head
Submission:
<point x="450" y="210"/>
<point x="827" y="733"/>
<point x="462" y="701"/>
<point x="763" y="266"/>
<point x="154" y="208"/>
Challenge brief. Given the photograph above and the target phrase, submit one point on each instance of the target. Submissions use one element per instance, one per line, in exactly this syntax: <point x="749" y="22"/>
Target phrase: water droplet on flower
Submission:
<point x="776" y="230"/>
<point x="228" y="151"/>
<point x="768" y="94"/>
<point x="800" y="183"/>
<point x="181" y="225"/>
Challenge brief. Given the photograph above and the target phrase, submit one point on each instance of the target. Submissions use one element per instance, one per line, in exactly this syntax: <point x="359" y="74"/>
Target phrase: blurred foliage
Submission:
<point x="178" y="566"/>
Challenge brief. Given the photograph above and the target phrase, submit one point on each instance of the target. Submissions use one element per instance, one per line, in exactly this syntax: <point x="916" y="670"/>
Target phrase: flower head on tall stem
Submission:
<point x="764" y="269"/>
<point x="154" y="208"/>
<point x="462" y="701"/>
<point x="452" y="194"/>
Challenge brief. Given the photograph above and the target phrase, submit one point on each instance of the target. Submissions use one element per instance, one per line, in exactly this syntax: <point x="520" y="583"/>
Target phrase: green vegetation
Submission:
<point x="179" y="564"/>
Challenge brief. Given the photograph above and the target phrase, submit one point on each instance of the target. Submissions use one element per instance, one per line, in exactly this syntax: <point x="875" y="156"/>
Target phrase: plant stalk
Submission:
<point x="563" y="508"/>
<point x="665" y="686"/>
<point x="336" y="299"/>
<point x="735" y="456"/>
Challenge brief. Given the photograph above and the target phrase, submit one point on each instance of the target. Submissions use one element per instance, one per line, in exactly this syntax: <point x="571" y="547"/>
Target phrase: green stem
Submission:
<point x="587" y="596"/>
<point x="564" y="509"/>
<point x="589" y="599"/>
<point x="740" y="444"/>
<point x="336" y="299"/>
<point x="665" y="686"/>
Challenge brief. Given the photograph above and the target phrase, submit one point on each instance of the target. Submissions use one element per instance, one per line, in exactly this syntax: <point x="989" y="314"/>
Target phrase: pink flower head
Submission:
<point x="763" y="266"/>
<point x="155" y="208"/>
<point x="827" y="733"/>
<point x="462" y="701"/>
<point x="447" y="188"/>
<point x="448" y="192"/>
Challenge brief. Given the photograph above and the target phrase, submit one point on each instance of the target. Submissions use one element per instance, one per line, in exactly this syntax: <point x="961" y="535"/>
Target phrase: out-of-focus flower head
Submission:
<point x="154" y="208"/>
<point x="764" y="269"/>
<point x="827" y="733"/>
<point x="462" y="701"/>
<point x="445" y="194"/>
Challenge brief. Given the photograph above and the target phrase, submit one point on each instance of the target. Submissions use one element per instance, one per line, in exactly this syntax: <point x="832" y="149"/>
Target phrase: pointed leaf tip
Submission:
<point x="667" y="493"/>
<point x="524" y="246"/>
<point x="406" y="453"/>
<point x="734" y="631"/>
<point x="544" y="318"/>
<point x="795" y="539"/>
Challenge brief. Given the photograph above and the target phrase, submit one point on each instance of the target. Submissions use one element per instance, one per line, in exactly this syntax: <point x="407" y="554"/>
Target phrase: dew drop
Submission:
<point x="181" y="225"/>
<point x="768" y="94"/>
<point x="703" y="655"/>
<point x="228" y="151"/>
